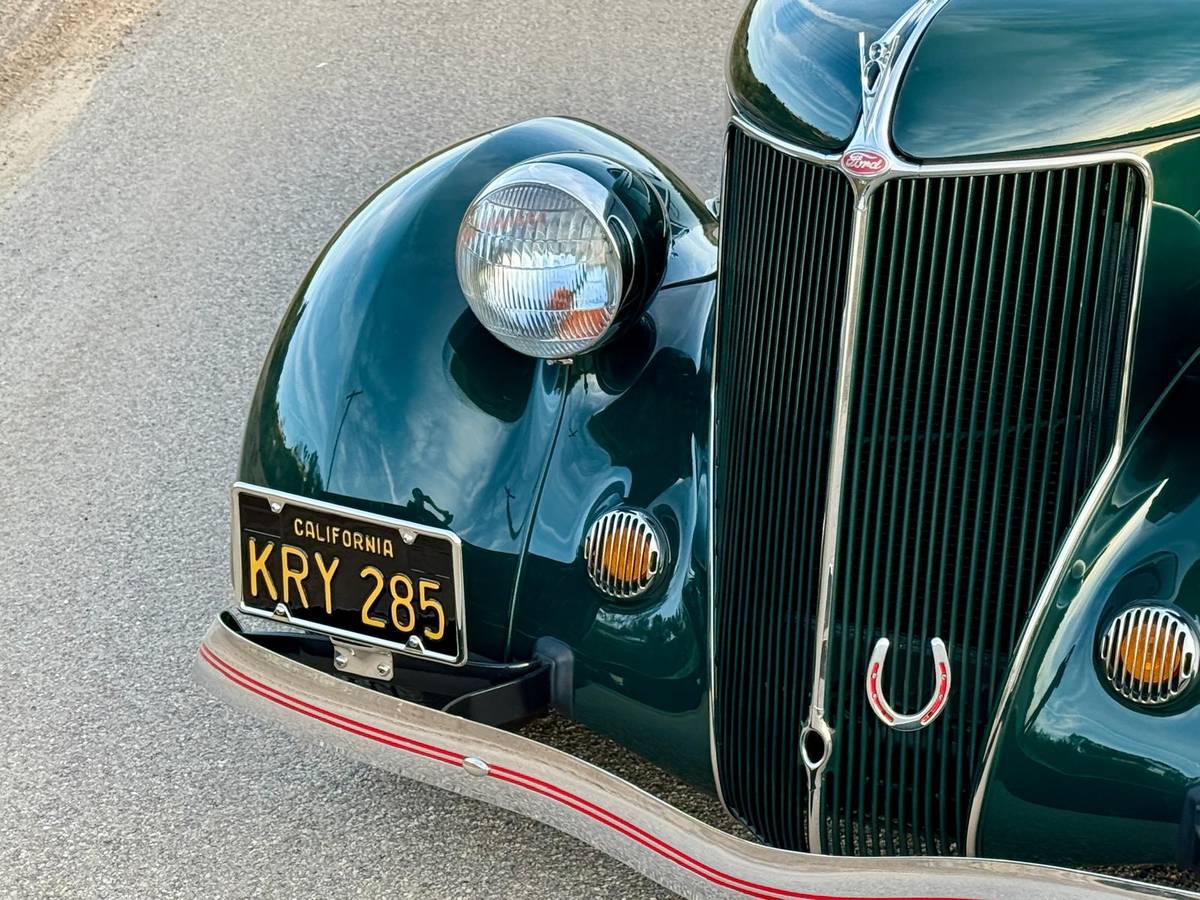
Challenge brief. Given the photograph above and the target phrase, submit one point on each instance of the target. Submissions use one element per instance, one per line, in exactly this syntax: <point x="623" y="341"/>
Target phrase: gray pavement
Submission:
<point x="143" y="267"/>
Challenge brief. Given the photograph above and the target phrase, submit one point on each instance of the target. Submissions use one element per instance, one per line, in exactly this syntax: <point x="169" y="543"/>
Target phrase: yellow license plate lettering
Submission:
<point x="293" y="576"/>
<point x="367" y="618"/>
<point x="313" y="583"/>
<point x="258" y="568"/>
<point x="401" y="587"/>
<point x="327" y="578"/>
<point x="429" y="602"/>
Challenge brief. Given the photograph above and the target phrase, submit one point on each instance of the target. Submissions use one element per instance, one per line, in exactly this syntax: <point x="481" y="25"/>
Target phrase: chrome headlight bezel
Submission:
<point x="632" y="217"/>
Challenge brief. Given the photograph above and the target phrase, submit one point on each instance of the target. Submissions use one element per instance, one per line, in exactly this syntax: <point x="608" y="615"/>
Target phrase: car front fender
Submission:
<point x="1079" y="775"/>
<point x="382" y="391"/>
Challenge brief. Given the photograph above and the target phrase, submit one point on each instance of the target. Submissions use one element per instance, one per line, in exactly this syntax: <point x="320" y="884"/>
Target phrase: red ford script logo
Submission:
<point x="864" y="162"/>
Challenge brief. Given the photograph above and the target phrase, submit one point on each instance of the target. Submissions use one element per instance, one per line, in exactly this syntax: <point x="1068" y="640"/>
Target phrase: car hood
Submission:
<point x="1022" y="77"/>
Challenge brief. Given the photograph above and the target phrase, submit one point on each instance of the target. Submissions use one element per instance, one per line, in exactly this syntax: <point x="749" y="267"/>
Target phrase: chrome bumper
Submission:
<point x="669" y="846"/>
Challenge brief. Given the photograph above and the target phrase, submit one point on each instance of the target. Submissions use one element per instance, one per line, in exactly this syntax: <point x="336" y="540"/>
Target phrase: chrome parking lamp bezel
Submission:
<point x="616" y="525"/>
<point x="1172" y="631"/>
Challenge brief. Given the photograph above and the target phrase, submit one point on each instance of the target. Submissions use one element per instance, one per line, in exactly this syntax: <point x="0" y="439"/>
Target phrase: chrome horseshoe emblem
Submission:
<point x="932" y="709"/>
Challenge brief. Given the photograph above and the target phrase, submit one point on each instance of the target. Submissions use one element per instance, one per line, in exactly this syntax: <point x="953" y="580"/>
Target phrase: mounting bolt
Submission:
<point x="340" y="660"/>
<point x="1078" y="569"/>
<point x="408" y="536"/>
<point x="414" y="643"/>
<point x="476" y="766"/>
<point x="281" y="611"/>
<point x="276" y="506"/>
<point x="384" y="669"/>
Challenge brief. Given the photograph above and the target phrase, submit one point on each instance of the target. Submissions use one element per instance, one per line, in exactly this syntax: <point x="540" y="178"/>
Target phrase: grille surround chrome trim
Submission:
<point x="864" y="188"/>
<point x="1121" y="680"/>
<point x="711" y="630"/>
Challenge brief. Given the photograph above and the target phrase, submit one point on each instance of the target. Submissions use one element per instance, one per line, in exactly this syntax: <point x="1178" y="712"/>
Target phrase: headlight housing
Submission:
<point x="553" y="253"/>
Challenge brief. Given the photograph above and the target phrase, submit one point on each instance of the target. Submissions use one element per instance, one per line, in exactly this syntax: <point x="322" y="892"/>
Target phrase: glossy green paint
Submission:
<point x="794" y="67"/>
<point x="635" y="431"/>
<point x="1081" y="776"/>
<point x="1024" y="77"/>
<point x="1169" y="317"/>
<point x="382" y="391"/>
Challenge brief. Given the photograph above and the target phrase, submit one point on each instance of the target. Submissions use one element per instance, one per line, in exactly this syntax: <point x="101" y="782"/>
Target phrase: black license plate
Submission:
<point x="350" y="574"/>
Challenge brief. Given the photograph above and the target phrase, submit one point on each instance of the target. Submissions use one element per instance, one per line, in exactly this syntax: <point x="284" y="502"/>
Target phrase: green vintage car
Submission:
<point x="866" y="497"/>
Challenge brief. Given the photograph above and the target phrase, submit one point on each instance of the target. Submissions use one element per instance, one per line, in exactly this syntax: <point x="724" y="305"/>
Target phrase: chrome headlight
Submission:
<point x="555" y="251"/>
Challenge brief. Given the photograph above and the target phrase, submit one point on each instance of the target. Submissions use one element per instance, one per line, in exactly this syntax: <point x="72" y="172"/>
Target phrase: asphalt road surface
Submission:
<point x="167" y="172"/>
<point x="145" y="258"/>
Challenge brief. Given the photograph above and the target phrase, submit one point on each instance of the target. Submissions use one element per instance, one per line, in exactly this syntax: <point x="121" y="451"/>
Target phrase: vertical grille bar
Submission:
<point x="985" y="387"/>
<point x="785" y="239"/>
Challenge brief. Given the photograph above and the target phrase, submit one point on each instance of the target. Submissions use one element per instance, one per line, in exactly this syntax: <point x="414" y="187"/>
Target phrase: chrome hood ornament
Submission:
<point x="881" y="63"/>
<point x="930" y="711"/>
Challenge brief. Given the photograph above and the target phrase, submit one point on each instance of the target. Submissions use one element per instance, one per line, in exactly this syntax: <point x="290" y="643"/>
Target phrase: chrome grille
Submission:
<point x="987" y="382"/>
<point x="785" y="239"/>
<point x="985" y="391"/>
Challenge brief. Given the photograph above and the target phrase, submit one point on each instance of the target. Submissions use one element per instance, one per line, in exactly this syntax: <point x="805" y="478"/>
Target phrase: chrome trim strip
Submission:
<point x="417" y="648"/>
<point x="839" y="439"/>
<point x="890" y="55"/>
<point x="821" y="159"/>
<point x="897" y="45"/>
<point x="604" y="811"/>
<point x="712" y="455"/>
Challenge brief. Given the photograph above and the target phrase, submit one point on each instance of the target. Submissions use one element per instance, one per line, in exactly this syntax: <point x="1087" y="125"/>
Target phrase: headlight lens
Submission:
<point x="540" y="260"/>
